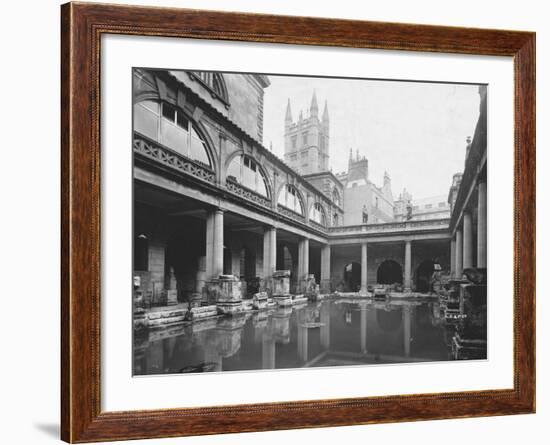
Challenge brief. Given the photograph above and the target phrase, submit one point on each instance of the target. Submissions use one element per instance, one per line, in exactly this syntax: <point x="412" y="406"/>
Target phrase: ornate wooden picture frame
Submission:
<point x="82" y="26"/>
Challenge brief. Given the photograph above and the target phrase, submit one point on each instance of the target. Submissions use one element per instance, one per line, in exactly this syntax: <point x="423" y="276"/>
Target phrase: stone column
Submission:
<point x="302" y="342"/>
<point x="364" y="268"/>
<point x="303" y="263"/>
<point x="325" y="269"/>
<point x="325" y="326"/>
<point x="407" y="281"/>
<point x="270" y="252"/>
<point x="209" y="245"/>
<point x="407" y="330"/>
<point x="482" y="225"/>
<point x="458" y="252"/>
<point x="306" y="257"/>
<point x="453" y="256"/>
<point x="467" y="253"/>
<point x="268" y="351"/>
<point x="363" y="330"/>
<point x="217" y="251"/>
<point x="201" y="274"/>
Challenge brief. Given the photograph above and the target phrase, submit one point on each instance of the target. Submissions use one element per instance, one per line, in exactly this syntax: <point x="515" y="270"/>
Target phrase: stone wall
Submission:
<point x="246" y="98"/>
<point x="378" y="253"/>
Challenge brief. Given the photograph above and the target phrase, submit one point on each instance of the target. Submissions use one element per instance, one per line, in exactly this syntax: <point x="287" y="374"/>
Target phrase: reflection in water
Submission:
<point x="327" y="333"/>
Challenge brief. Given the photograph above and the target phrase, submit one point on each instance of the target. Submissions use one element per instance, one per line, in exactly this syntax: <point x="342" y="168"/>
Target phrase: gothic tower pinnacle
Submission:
<point x="325" y="114"/>
<point x="314" y="108"/>
<point x="288" y="116"/>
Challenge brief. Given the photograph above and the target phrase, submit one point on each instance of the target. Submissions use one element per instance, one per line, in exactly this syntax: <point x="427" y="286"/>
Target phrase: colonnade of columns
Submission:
<point x="462" y="243"/>
<point x="407" y="275"/>
<point x="215" y="254"/>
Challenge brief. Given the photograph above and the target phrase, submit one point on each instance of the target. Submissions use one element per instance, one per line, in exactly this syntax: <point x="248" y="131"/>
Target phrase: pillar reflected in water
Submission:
<point x="407" y="330"/>
<point x="363" y="328"/>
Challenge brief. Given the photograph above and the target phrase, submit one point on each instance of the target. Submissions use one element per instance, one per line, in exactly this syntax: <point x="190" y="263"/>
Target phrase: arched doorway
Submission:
<point x="423" y="276"/>
<point x="352" y="277"/>
<point x="389" y="272"/>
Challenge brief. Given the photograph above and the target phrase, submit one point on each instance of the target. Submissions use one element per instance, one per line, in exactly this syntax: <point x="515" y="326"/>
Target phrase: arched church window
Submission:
<point x="336" y="197"/>
<point x="214" y="82"/>
<point x="290" y="199"/>
<point x="247" y="172"/>
<point x="317" y="214"/>
<point x="169" y="126"/>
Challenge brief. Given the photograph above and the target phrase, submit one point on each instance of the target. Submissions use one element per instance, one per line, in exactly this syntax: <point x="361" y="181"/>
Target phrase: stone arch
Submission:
<point x="298" y="193"/>
<point x="215" y="82"/>
<point x="423" y="276"/>
<point x="153" y="94"/>
<point x="210" y="145"/>
<point x="352" y="277"/>
<point x="336" y="197"/>
<point x="324" y="219"/>
<point x="263" y="170"/>
<point x="389" y="272"/>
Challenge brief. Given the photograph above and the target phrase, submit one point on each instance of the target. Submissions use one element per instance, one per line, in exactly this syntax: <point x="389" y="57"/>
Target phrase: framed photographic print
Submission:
<point x="278" y="222"/>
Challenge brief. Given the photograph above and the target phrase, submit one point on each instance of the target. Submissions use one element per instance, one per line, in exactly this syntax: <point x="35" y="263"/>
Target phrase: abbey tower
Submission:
<point x="307" y="139"/>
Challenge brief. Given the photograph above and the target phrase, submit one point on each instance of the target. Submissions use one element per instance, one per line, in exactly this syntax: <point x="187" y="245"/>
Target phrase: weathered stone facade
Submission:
<point x="210" y="200"/>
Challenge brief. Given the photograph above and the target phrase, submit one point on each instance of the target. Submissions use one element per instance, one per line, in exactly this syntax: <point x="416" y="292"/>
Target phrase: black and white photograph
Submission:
<point x="287" y="221"/>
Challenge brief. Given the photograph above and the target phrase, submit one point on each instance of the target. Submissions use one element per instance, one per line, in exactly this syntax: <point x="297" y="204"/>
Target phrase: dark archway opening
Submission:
<point x="389" y="272"/>
<point x="185" y="260"/>
<point x="424" y="275"/>
<point x="248" y="271"/>
<point x="352" y="277"/>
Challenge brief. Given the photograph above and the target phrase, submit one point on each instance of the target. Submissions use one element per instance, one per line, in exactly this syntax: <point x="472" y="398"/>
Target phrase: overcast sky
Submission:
<point x="415" y="131"/>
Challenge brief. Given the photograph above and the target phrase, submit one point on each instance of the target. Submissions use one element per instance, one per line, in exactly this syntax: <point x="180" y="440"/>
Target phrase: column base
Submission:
<point x="325" y="287"/>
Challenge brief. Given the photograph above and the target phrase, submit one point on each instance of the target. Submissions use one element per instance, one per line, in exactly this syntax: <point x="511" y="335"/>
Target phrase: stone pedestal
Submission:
<point x="281" y="283"/>
<point x="226" y="293"/>
<point x="201" y="313"/>
<point x="309" y="286"/>
<point x="140" y="320"/>
<point x="171" y="297"/>
<point x="259" y="301"/>
<point x="283" y="300"/>
<point x="325" y="286"/>
<point x="196" y="299"/>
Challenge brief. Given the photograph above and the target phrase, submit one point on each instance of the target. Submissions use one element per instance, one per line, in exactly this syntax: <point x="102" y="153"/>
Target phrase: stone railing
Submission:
<point x="235" y="187"/>
<point x="404" y="226"/>
<point x="164" y="155"/>
<point x="290" y="214"/>
<point x="317" y="226"/>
